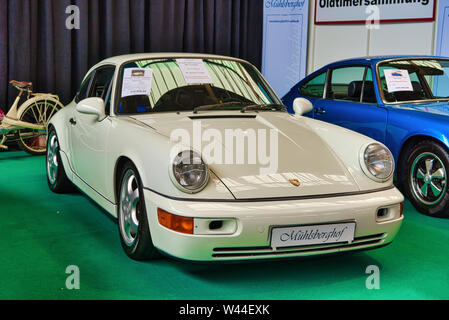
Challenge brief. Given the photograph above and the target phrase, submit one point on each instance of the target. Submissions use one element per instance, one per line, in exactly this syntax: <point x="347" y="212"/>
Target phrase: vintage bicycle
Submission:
<point x="27" y="124"/>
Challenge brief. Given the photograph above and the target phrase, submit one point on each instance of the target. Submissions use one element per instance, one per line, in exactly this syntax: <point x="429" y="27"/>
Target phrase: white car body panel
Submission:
<point x="324" y="157"/>
<point x="255" y="220"/>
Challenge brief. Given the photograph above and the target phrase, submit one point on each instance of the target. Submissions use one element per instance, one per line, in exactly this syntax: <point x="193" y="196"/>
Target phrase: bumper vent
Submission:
<point x="242" y="252"/>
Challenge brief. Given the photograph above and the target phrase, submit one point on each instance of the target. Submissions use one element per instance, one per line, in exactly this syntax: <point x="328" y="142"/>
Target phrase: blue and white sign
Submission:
<point x="285" y="43"/>
<point x="443" y="29"/>
<point x="442" y="48"/>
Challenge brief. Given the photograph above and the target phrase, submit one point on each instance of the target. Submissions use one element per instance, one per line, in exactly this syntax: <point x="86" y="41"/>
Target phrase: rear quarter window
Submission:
<point x="314" y="87"/>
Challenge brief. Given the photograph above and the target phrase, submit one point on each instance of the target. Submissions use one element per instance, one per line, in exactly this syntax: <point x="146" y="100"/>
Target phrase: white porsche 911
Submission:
<point x="197" y="158"/>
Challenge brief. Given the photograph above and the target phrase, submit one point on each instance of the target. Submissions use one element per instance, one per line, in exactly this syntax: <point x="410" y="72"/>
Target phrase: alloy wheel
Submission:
<point x="129" y="207"/>
<point x="52" y="158"/>
<point x="428" y="178"/>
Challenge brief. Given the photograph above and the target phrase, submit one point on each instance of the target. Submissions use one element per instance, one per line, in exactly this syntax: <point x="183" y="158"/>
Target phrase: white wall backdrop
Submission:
<point x="328" y="43"/>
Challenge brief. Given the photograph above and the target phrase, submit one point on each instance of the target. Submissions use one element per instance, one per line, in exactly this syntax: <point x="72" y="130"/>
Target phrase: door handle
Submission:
<point x="72" y="121"/>
<point x="320" y="110"/>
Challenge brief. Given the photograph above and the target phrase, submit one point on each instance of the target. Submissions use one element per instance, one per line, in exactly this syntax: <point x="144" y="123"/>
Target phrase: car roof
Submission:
<point x="376" y="59"/>
<point x="368" y="60"/>
<point x="119" y="60"/>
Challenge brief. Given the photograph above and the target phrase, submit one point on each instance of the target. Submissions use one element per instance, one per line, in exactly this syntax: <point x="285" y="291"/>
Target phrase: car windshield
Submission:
<point x="414" y="80"/>
<point x="177" y="85"/>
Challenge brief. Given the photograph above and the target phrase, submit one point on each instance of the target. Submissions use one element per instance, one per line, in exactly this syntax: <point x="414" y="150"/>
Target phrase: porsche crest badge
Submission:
<point x="295" y="182"/>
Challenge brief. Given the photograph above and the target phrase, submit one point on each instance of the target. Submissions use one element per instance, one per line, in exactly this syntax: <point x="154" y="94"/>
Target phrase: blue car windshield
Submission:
<point x="177" y="85"/>
<point x="414" y="80"/>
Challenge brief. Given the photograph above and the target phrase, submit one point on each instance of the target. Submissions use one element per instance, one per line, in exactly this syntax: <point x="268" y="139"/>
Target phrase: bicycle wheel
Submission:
<point x="34" y="141"/>
<point x="2" y="138"/>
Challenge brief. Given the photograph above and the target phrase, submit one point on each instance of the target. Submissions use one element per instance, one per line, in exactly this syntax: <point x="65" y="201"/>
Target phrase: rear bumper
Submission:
<point x="251" y="241"/>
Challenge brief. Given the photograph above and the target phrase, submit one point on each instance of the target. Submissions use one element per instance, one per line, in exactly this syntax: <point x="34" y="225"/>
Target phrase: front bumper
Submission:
<point x="256" y="219"/>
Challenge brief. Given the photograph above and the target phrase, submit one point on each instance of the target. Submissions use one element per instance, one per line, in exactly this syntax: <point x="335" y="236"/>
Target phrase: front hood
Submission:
<point x="292" y="150"/>
<point x="440" y="108"/>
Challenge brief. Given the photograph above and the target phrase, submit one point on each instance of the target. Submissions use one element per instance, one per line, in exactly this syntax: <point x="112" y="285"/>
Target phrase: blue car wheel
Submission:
<point x="425" y="179"/>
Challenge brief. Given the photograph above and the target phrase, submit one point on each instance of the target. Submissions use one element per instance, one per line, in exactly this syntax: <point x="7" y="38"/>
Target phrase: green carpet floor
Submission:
<point x="42" y="233"/>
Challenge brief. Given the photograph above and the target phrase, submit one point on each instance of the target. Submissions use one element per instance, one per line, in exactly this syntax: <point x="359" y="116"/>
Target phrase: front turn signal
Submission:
<point x="174" y="222"/>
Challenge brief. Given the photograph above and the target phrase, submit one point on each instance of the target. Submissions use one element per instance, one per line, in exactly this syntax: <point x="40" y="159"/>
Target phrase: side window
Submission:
<point x="83" y="93"/>
<point x="102" y="80"/>
<point x="346" y="84"/>
<point x="315" y="87"/>
<point x="102" y="84"/>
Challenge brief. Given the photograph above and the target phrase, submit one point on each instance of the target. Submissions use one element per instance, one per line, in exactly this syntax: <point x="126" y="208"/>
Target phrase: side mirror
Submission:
<point x="93" y="106"/>
<point x="302" y="106"/>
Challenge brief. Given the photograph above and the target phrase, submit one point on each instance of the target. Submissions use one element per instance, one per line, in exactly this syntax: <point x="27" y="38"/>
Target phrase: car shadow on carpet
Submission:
<point x="346" y="265"/>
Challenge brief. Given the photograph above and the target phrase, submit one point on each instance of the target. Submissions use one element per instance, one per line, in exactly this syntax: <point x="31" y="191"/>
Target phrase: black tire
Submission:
<point x="424" y="178"/>
<point x="137" y="245"/>
<point x="57" y="179"/>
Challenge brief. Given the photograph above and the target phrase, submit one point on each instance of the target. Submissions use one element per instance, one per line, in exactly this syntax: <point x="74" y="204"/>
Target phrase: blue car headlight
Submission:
<point x="377" y="162"/>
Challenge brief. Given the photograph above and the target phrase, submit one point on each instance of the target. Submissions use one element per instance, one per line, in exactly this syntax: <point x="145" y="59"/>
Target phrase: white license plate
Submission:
<point x="312" y="235"/>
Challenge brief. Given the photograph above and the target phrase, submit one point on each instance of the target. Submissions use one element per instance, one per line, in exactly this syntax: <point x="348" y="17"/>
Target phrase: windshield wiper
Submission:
<point x="268" y="107"/>
<point x="219" y="105"/>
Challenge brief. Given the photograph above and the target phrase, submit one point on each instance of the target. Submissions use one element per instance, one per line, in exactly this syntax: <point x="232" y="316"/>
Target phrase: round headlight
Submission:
<point x="189" y="172"/>
<point x="379" y="162"/>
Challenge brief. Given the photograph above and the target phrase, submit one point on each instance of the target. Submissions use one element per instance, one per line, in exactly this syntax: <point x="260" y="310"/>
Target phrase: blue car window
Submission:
<point x="346" y="83"/>
<point x="429" y="79"/>
<point x="315" y="87"/>
<point x="439" y="83"/>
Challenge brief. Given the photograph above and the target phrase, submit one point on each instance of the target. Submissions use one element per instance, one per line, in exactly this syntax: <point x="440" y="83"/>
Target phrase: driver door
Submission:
<point x="89" y="137"/>
<point x="350" y="102"/>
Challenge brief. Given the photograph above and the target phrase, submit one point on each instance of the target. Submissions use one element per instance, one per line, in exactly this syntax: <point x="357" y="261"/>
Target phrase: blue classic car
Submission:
<point x="401" y="101"/>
